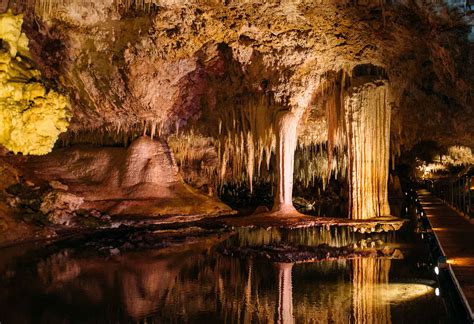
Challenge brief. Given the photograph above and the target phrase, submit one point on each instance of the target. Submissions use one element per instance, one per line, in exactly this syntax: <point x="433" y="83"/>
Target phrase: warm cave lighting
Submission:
<point x="160" y="133"/>
<point x="462" y="261"/>
<point x="443" y="261"/>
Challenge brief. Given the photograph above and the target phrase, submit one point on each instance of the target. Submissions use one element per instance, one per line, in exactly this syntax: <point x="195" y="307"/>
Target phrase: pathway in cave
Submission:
<point x="456" y="236"/>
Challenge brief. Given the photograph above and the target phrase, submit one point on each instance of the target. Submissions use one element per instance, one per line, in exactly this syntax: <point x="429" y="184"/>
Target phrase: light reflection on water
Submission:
<point x="197" y="284"/>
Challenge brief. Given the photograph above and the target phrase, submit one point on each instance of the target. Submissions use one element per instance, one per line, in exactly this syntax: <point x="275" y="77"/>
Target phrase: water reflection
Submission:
<point x="368" y="276"/>
<point x="199" y="285"/>
<point x="312" y="236"/>
<point x="285" y="296"/>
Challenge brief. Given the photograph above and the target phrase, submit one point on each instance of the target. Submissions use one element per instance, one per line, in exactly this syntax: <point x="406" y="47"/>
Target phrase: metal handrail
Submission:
<point x="458" y="193"/>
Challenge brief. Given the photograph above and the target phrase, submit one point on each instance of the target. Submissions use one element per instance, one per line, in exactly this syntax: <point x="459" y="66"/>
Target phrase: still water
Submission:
<point x="220" y="277"/>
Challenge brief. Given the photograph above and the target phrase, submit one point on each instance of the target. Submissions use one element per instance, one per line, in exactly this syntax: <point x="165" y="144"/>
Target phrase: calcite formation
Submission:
<point x="367" y="119"/>
<point x="244" y="93"/>
<point x="141" y="181"/>
<point x="286" y="145"/>
<point x="31" y="116"/>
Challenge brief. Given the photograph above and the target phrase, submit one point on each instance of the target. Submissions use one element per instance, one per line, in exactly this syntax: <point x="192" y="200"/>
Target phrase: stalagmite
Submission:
<point x="367" y="122"/>
<point x="285" y="154"/>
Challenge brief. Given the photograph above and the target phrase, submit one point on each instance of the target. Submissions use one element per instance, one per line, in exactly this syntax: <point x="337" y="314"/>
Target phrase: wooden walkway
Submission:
<point x="456" y="237"/>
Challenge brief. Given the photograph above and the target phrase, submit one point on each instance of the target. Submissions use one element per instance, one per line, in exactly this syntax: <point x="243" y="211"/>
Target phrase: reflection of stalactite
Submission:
<point x="368" y="275"/>
<point x="248" y="293"/>
<point x="285" y="293"/>
<point x="367" y="115"/>
<point x="311" y="236"/>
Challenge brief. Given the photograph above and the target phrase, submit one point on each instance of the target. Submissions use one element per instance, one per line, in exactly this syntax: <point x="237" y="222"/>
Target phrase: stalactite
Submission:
<point x="335" y="116"/>
<point x="250" y="159"/>
<point x="312" y="165"/>
<point x="285" y="152"/>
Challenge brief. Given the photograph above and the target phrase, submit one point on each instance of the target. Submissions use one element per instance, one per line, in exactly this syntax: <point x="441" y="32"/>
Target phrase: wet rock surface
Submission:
<point x="302" y="254"/>
<point x="44" y="205"/>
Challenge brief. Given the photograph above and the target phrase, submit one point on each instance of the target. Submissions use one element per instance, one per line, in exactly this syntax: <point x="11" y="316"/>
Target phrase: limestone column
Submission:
<point x="367" y="122"/>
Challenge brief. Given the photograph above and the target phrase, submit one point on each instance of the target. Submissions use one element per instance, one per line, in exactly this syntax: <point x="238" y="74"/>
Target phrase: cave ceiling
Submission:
<point x="171" y="66"/>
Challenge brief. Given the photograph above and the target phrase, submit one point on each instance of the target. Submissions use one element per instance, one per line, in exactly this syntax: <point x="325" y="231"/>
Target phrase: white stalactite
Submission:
<point x="286" y="125"/>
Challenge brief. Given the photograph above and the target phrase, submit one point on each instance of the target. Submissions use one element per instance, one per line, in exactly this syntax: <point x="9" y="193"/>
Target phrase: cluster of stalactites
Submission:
<point x="312" y="165"/>
<point x="246" y="141"/>
<point x="191" y="150"/>
<point x="45" y="8"/>
<point x="243" y="143"/>
<point x="117" y="133"/>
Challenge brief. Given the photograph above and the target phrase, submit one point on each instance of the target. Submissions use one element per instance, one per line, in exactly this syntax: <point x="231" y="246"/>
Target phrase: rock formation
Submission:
<point x="244" y="93"/>
<point x="142" y="180"/>
<point x="31" y="116"/>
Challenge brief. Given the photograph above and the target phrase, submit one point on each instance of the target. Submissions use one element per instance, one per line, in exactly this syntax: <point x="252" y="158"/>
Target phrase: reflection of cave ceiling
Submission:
<point x="173" y="65"/>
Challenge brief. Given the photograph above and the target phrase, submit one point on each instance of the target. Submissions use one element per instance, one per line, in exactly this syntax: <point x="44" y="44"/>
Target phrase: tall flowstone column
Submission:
<point x="286" y="137"/>
<point x="367" y="122"/>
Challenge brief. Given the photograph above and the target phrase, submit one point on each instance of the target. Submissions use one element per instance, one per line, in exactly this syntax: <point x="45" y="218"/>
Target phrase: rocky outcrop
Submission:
<point x="142" y="180"/>
<point x="60" y="206"/>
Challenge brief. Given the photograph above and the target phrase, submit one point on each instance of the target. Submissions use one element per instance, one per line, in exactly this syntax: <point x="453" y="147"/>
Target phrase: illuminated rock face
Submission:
<point x="31" y="116"/>
<point x="367" y="119"/>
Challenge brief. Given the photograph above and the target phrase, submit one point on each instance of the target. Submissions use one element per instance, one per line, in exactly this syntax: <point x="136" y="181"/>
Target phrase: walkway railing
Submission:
<point x="458" y="193"/>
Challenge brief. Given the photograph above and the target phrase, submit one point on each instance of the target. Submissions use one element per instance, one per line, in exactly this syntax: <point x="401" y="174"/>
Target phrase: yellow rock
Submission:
<point x="31" y="116"/>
